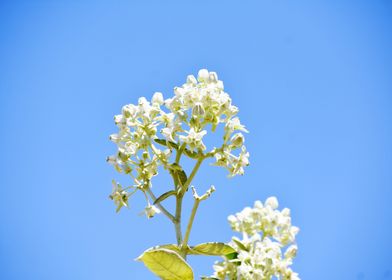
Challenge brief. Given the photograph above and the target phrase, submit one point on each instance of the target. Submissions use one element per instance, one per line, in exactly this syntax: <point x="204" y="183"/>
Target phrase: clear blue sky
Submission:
<point x="312" y="80"/>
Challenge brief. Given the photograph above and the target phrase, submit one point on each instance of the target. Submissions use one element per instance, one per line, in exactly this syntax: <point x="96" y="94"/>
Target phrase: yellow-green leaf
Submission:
<point x="167" y="264"/>
<point x="239" y="244"/>
<point x="171" y="247"/>
<point x="212" y="249"/>
<point x="166" y="143"/>
<point x="164" y="196"/>
<point x="191" y="154"/>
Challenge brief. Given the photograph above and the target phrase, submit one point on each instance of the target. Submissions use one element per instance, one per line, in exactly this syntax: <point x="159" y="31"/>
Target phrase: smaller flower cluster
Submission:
<point x="267" y="248"/>
<point x="201" y="103"/>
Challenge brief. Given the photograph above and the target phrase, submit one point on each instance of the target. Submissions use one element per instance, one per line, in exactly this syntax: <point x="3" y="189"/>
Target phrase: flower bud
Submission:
<point x="272" y="202"/>
<point x="258" y="204"/>
<point x="142" y="101"/>
<point x="213" y="77"/>
<point x="114" y="137"/>
<point x="157" y="98"/>
<point x="237" y="140"/>
<point x="291" y="252"/>
<point x="191" y="80"/>
<point x="129" y="110"/>
<point x="198" y="110"/>
<point x="286" y="212"/>
<point x="146" y="155"/>
<point x="178" y="91"/>
<point x="232" y="219"/>
<point x="111" y="160"/>
<point x="203" y="75"/>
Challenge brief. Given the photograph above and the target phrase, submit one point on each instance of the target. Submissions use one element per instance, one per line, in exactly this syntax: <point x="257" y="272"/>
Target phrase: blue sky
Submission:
<point x="312" y="80"/>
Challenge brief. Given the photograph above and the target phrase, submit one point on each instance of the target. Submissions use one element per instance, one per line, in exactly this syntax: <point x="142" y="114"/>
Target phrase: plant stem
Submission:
<point x="193" y="173"/>
<point x="190" y="223"/>
<point x="179" y="152"/>
<point x="177" y="219"/>
<point x="179" y="198"/>
<point x="177" y="223"/>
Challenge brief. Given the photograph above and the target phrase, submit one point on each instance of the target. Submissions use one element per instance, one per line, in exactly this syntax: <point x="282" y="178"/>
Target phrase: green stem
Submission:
<point x="190" y="223"/>
<point x="179" y="152"/>
<point x="177" y="223"/>
<point x="193" y="173"/>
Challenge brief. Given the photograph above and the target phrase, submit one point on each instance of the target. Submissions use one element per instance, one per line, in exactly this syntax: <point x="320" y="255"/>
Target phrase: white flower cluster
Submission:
<point x="267" y="247"/>
<point x="180" y="122"/>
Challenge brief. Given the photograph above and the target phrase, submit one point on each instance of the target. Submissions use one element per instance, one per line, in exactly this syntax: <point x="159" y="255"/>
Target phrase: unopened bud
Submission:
<point x="157" y="98"/>
<point x="203" y="75"/>
<point x="198" y="110"/>
<point x="237" y="140"/>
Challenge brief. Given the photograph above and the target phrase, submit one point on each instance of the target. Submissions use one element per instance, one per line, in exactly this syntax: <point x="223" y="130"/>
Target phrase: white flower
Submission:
<point x="233" y="125"/>
<point x="168" y="133"/>
<point x="157" y="98"/>
<point x="129" y="111"/>
<point x="291" y="252"/>
<point x="238" y="163"/>
<point x="151" y="210"/>
<point x="119" y="196"/>
<point x="272" y="202"/>
<point x="194" y="139"/>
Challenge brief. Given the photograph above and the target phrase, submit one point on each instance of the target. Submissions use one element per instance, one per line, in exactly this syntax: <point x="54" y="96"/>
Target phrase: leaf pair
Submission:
<point x="166" y="262"/>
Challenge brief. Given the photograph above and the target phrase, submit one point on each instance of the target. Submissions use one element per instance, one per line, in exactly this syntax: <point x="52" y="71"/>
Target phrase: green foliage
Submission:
<point x="166" y="264"/>
<point x="212" y="249"/>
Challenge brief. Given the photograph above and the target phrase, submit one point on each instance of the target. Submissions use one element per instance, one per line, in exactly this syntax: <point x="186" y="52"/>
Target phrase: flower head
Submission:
<point x="267" y="247"/>
<point x="197" y="108"/>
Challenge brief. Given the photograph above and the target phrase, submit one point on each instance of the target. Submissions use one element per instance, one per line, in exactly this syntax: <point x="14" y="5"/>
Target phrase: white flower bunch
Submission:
<point x="267" y="247"/>
<point x="158" y="133"/>
<point x="178" y="123"/>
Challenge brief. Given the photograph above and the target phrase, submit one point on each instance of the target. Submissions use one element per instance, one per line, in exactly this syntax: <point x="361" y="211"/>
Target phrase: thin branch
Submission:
<point x="193" y="173"/>
<point x="179" y="153"/>
<point x="190" y="223"/>
<point x="160" y="207"/>
<point x="198" y="199"/>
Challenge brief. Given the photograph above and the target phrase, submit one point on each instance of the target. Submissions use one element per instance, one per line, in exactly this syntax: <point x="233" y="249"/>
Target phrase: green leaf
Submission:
<point x="179" y="174"/>
<point x="166" y="143"/>
<point x="164" y="196"/>
<point x="239" y="244"/>
<point x="171" y="247"/>
<point x="182" y="178"/>
<point x="212" y="249"/>
<point x="191" y="154"/>
<point x="232" y="256"/>
<point x="209" y="278"/>
<point x="167" y="264"/>
<point x="174" y="167"/>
